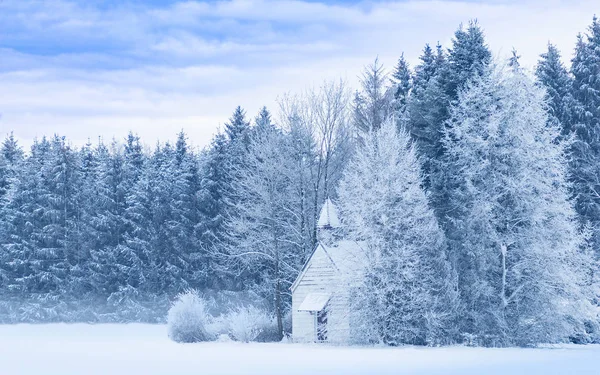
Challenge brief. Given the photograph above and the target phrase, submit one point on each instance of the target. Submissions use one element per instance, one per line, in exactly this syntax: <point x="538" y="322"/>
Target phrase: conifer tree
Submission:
<point x="516" y="244"/>
<point x="186" y="212"/>
<point x="26" y="217"/>
<point x="263" y="121"/>
<point x="554" y="77"/>
<point x="586" y="148"/>
<point x="407" y="296"/>
<point x="402" y="80"/>
<point x="427" y="69"/>
<point x="468" y="58"/>
<point x="372" y="104"/>
<point x="429" y="107"/>
<point x="107" y="220"/>
<point x="213" y="204"/>
<point x="11" y="159"/>
<point x="237" y="128"/>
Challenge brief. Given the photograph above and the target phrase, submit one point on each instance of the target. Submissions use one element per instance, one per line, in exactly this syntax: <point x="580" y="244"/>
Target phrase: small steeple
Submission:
<point x="328" y="219"/>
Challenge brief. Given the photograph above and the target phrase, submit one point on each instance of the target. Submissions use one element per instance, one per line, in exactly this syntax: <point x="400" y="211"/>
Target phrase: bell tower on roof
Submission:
<point x="329" y="223"/>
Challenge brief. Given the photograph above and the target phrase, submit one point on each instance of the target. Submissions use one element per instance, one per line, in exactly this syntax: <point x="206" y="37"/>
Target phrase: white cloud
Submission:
<point x="82" y="71"/>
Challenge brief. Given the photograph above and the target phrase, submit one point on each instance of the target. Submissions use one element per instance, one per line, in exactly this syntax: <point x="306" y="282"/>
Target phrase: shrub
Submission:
<point x="187" y="319"/>
<point x="250" y="324"/>
<point x="217" y="327"/>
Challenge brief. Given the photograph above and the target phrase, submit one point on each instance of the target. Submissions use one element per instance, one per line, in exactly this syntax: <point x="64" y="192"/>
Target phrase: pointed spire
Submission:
<point x="328" y="218"/>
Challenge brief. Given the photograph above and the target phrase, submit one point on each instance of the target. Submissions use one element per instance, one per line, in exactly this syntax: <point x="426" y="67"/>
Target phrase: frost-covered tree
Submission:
<point x="437" y="83"/>
<point x="263" y="121"/>
<point x="265" y="235"/>
<point x="44" y="213"/>
<point x="407" y="295"/>
<point x="11" y="150"/>
<point x="554" y="77"/>
<point x="303" y="150"/>
<point x="330" y="121"/>
<point x="187" y="213"/>
<point x="238" y="133"/>
<point x="516" y="245"/>
<point x="585" y="172"/>
<point x="428" y="66"/>
<point x="402" y="81"/>
<point x="238" y="127"/>
<point x="468" y="58"/>
<point x="11" y="155"/>
<point x="11" y="158"/>
<point x="25" y="216"/>
<point x="373" y="103"/>
<point x="318" y="123"/>
<point x="83" y="241"/>
<point x="106" y="220"/>
<point x="214" y="190"/>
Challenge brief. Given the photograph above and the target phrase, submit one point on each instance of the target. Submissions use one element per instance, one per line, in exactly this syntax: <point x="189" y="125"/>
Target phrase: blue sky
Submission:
<point x="101" y="68"/>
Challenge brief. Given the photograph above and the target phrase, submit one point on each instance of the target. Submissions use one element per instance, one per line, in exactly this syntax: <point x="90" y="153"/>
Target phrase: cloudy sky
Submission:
<point x="93" y="68"/>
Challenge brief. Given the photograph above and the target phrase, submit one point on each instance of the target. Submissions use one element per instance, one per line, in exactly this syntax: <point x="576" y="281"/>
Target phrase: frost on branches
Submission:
<point x="521" y="261"/>
<point x="407" y="295"/>
<point x="188" y="318"/>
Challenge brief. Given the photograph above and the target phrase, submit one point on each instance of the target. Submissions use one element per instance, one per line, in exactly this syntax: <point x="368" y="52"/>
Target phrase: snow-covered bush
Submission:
<point x="187" y="319"/>
<point x="250" y="324"/>
<point x="218" y="326"/>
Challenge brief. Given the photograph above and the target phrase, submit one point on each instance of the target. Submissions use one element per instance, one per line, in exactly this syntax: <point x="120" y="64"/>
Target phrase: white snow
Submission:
<point x="314" y="302"/>
<point x="349" y="257"/>
<point x="60" y="349"/>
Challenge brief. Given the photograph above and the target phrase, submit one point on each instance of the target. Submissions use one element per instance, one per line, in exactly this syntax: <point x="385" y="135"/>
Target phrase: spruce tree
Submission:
<point x="516" y="244"/>
<point x="554" y="77"/>
<point x="468" y="58"/>
<point x="407" y="295"/>
<point x="586" y="148"/>
<point x="11" y="159"/>
<point x="24" y="215"/>
<point x="427" y="68"/>
<point x="215" y="186"/>
<point x="107" y="220"/>
<point x="263" y="121"/>
<point x="373" y="103"/>
<point x="186" y="212"/>
<point x="426" y="108"/>
<point x="238" y="127"/>
<point x="402" y="80"/>
<point x="429" y="108"/>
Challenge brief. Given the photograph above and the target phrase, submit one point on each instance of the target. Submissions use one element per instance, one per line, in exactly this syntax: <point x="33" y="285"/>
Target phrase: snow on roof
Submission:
<point x="314" y="302"/>
<point x="329" y="216"/>
<point x="348" y="256"/>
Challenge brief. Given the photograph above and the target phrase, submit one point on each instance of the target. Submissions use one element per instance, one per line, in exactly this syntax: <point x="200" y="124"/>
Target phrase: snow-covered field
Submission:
<point x="145" y="349"/>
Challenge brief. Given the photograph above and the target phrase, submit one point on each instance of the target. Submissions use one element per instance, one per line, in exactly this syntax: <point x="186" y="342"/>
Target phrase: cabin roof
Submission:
<point x="347" y="257"/>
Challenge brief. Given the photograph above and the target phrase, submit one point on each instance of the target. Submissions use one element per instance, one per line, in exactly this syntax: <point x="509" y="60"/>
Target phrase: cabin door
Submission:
<point x="322" y="325"/>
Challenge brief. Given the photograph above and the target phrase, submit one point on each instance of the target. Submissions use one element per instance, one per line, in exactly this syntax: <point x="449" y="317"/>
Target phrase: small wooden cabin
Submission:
<point x="320" y="301"/>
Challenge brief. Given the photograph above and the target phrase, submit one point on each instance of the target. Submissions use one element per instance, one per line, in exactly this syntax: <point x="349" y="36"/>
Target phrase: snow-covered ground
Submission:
<point x="145" y="349"/>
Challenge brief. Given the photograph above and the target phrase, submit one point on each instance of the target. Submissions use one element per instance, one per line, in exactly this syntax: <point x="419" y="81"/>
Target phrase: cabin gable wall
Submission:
<point x="320" y="276"/>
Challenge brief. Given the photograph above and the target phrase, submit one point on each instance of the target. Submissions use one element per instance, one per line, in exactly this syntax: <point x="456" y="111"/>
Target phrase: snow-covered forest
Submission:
<point x="474" y="182"/>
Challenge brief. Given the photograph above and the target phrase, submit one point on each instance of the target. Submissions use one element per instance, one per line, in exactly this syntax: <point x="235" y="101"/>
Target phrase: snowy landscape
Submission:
<point x="61" y="349"/>
<point x="230" y="187"/>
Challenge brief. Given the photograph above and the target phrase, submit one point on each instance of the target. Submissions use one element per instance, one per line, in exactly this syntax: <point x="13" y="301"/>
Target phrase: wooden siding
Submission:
<point x="320" y="276"/>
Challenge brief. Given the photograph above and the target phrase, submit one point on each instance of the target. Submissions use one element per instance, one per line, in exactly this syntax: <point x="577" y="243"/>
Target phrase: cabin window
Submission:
<point x="322" y="325"/>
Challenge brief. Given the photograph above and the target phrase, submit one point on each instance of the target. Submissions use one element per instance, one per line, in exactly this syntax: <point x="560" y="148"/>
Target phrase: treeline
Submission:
<point x="113" y="232"/>
<point x="474" y="184"/>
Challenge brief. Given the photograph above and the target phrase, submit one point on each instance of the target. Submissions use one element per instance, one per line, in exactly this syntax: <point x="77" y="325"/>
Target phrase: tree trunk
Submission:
<point x="278" y="311"/>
